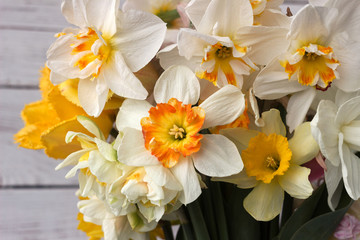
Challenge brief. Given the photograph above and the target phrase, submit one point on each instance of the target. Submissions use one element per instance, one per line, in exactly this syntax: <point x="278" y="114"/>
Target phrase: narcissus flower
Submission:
<point x="320" y="55"/>
<point x="105" y="51"/>
<point x="47" y="121"/>
<point x="225" y="45"/>
<point x="336" y="127"/>
<point x="272" y="164"/>
<point x="168" y="137"/>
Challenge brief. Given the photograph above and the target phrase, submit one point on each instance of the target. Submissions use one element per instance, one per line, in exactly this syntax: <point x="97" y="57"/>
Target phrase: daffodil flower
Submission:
<point x="272" y="164"/>
<point x="225" y="45"/>
<point x="95" y="211"/>
<point x="320" y="56"/>
<point x="168" y="137"/>
<point x="336" y="127"/>
<point x="104" y="51"/>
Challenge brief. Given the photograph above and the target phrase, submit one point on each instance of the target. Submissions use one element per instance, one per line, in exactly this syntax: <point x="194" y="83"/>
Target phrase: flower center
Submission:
<point x="266" y="157"/>
<point x="171" y="130"/>
<point x="90" y="52"/>
<point x="178" y="133"/>
<point x="220" y="66"/>
<point x="314" y="65"/>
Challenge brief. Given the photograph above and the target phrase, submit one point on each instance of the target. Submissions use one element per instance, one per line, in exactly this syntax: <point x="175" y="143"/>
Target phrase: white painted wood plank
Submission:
<point x="44" y="15"/>
<point x="22" y="54"/>
<point x="40" y="214"/>
<point x="19" y="166"/>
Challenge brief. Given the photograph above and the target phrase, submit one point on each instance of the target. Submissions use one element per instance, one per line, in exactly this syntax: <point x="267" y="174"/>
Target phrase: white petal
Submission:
<point x="121" y="80"/>
<point x="298" y="106"/>
<point x="93" y="209"/>
<point x="192" y="43"/>
<point x="344" y="49"/>
<point x="265" y="42"/>
<point x="348" y="112"/>
<point x="131" y="112"/>
<point x="223" y="107"/>
<point x="80" y="165"/>
<point x="91" y="126"/>
<point x="184" y="172"/>
<point x="325" y="131"/>
<point x="350" y="170"/>
<point x="224" y="17"/>
<point x="163" y="177"/>
<point x="59" y="57"/>
<point x="302" y="145"/>
<point x="196" y="10"/>
<point x="333" y="177"/>
<point x="72" y="159"/>
<point x="239" y="136"/>
<point x="106" y="150"/>
<point x="351" y="134"/>
<point x="104" y="170"/>
<point x="75" y="12"/>
<point x="102" y="15"/>
<point x="273" y="123"/>
<point x="270" y="17"/>
<point x="142" y="5"/>
<point x="217" y="157"/>
<point x="295" y="182"/>
<point x="241" y="180"/>
<point x="265" y="201"/>
<point x="170" y="56"/>
<point x="132" y="150"/>
<point x="56" y="78"/>
<point x="177" y="82"/>
<point x="273" y="83"/>
<point x="139" y="37"/>
<point x="92" y="95"/>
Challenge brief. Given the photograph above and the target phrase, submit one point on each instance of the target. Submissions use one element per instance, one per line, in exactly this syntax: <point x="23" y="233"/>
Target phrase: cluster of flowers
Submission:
<point x="198" y="114"/>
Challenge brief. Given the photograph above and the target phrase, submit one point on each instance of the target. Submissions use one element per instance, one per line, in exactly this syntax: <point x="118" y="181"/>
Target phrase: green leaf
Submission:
<point x="324" y="225"/>
<point x="208" y="212"/>
<point x="241" y="225"/>
<point x="197" y="220"/>
<point x="303" y="214"/>
<point x="168" y="16"/>
<point x="219" y="210"/>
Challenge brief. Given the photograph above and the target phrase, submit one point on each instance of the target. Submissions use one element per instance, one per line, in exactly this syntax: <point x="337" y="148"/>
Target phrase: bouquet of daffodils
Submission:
<point x="220" y="119"/>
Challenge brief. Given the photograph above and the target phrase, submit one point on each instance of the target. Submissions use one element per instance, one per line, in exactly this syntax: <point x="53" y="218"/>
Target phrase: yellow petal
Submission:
<point x="44" y="82"/>
<point x="29" y="137"/>
<point x="92" y="230"/>
<point x="69" y="89"/>
<point x="54" y="138"/>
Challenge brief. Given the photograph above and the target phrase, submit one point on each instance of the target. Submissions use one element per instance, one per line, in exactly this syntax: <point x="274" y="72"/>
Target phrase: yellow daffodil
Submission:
<point x="47" y="121"/>
<point x="272" y="164"/>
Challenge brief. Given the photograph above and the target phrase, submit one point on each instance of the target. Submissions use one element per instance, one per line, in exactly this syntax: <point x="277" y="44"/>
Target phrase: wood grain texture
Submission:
<point x="41" y="214"/>
<point x="19" y="166"/>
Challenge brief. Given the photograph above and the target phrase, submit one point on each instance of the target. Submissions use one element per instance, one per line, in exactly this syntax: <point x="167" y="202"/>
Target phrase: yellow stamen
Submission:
<point x="177" y="132"/>
<point x="272" y="163"/>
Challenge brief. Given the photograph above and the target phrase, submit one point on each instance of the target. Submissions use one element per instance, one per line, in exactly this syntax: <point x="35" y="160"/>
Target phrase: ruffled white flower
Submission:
<point x="320" y="56"/>
<point x="225" y="45"/>
<point x="104" y="51"/>
<point x="336" y="127"/>
<point x="97" y="161"/>
<point x="272" y="164"/>
<point x="114" y="227"/>
<point x="167" y="137"/>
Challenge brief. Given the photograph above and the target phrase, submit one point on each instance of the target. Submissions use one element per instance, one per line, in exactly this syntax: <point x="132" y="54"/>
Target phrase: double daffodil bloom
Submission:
<point x="225" y="45"/>
<point x="167" y="138"/>
<point x="272" y="164"/>
<point x="104" y="51"/>
<point x="336" y="127"/>
<point x="319" y="55"/>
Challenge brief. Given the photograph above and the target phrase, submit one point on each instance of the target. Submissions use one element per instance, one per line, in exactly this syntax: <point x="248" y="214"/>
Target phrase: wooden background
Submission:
<point x="35" y="201"/>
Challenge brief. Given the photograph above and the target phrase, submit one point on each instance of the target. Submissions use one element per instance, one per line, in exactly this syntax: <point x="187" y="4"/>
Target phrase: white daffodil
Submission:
<point x="272" y="164"/>
<point x="114" y="227"/>
<point x="105" y="50"/>
<point x="336" y="127"/>
<point x="97" y="161"/>
<point x="320" y="56"/>
<point x="168" y="138"/>
<point x="225" y="45"/>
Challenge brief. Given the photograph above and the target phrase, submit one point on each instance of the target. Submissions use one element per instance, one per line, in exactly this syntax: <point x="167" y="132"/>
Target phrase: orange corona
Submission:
<point x="171" y="130"/>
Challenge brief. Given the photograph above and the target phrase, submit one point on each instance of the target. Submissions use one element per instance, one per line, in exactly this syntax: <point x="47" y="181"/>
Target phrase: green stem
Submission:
<point x="166" y="227"/>
<point x="198" y="221"/>
<point x="287" y="208"/>
<point x="219" y="210"/>
<point x="185" y="224"/>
